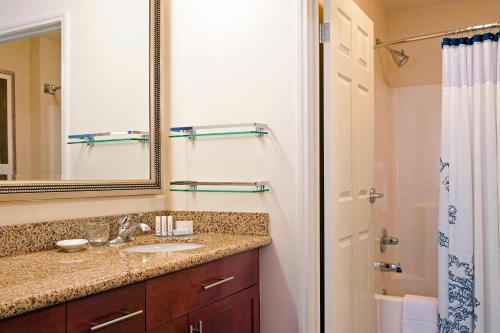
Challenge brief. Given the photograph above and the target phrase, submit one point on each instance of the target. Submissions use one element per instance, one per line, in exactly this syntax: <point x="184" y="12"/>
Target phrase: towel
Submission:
<point x="420" y="314"/>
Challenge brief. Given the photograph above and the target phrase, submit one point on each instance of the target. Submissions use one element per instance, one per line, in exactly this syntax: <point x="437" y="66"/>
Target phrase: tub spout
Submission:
<point x="388" y="267"/>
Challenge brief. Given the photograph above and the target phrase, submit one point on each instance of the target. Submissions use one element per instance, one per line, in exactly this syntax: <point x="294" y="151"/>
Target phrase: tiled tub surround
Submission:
<point x="26" y="238"/>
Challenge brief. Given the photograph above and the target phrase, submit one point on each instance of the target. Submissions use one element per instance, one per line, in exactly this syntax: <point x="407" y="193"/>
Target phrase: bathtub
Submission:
<point x="389" y="314"/>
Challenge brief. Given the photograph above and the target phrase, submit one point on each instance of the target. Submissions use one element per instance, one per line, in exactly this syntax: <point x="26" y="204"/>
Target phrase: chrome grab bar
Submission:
<point x="115" y="321"/>
<point x="218" y="283"/>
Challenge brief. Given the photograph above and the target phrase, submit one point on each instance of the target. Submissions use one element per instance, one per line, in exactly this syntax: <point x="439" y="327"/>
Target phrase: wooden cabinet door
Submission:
<point x="50" y="320"/>
<point x="179" y="325"/>
<point x="238" y="313"/>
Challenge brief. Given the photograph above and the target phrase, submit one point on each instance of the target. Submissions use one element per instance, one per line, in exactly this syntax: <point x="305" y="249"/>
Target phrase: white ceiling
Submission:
<point x="411" y="4"/>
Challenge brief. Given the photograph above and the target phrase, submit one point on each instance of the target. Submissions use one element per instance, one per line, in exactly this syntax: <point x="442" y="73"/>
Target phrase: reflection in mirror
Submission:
<point x="30" y="119"/>
<point x="75" y="94"/>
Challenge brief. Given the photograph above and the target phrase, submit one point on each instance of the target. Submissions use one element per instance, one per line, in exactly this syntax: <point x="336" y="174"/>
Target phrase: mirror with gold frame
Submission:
<point x="80" y="96"/>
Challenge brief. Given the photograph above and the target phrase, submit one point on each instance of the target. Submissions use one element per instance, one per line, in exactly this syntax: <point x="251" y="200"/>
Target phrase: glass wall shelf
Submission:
<point x="191" y="132"/>
<point x="217" y="191"/>
<point x="193" y="186"/>
<point x="92" y="138"/>
<point x="90" y="142"/>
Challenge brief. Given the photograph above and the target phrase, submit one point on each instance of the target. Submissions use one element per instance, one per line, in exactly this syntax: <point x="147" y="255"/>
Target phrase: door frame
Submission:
<point x="309" y="166"/>
<point x="12" y="143"/>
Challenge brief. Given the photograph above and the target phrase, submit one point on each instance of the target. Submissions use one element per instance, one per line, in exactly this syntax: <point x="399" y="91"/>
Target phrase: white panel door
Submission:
<point x="349" y="166"/>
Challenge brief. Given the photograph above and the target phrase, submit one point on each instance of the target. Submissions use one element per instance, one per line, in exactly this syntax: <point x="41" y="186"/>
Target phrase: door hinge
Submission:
<point x="324" y="33"/>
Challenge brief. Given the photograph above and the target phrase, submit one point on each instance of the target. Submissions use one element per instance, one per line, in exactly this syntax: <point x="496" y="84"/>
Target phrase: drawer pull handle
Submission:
<point x="196" y="330"/>
<point x="114" y="321"/>
<point x="218" y="283"/>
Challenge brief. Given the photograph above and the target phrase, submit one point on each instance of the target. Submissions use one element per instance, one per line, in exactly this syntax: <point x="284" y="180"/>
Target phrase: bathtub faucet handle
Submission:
<point x="388" y="267"/>
<point x="385" y="240"/>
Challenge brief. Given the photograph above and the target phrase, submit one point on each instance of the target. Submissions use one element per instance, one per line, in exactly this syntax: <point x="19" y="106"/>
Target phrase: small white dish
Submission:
<point x="72" y="245"/>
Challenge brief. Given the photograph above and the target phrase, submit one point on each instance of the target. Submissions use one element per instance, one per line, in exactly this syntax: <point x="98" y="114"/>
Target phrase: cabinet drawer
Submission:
<point x="175" y="295"/>
<point x="238" y="313"/>
<point x="120" y="310"/>
<point x="49" y="320"/>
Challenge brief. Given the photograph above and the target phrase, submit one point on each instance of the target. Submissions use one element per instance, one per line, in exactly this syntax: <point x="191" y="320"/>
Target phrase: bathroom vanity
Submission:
<point x="220" y="296"/>
<point x="213" y="288"/>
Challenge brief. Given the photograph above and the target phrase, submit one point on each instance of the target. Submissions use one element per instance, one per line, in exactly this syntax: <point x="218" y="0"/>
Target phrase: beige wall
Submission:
<point x="46" y="58"/>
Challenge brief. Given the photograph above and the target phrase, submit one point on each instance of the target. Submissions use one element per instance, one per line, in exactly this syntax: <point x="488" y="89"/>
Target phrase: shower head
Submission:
<point x="399" y="57"/>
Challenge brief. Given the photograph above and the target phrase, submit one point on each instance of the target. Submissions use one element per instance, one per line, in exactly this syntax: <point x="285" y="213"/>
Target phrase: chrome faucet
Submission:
<point x="388" y="267"/>
<point x="126" y="229"/>
<point x="386" y="240"/>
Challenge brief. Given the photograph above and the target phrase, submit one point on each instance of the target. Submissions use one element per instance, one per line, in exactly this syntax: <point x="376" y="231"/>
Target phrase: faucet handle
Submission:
<point x="389" y="240"/>
<point x="125" y="220"/>
<point x="123" y="224"/>
<point x="388" y="267"/>
<point x="385" y="240"/>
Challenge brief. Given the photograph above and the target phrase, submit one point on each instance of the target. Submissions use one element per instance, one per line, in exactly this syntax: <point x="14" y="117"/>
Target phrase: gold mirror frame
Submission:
<point x="21" y="190"/>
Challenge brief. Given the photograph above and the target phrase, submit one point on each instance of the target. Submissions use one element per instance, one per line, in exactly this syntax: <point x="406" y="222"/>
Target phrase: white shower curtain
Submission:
<point x="469" y="249"/>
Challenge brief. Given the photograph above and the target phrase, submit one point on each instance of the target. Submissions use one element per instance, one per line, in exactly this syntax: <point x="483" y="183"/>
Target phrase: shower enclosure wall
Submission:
<point x="407" y="135"/>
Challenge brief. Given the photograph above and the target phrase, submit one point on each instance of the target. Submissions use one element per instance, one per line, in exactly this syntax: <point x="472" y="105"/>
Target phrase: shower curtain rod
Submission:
<point x="440" y="34"/>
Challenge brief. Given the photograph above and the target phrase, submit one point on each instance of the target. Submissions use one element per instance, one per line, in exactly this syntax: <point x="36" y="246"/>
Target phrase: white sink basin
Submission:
<point x="164" y="247"/>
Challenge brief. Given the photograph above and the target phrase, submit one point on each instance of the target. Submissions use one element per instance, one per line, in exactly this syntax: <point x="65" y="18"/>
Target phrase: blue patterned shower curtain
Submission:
<point x="469" y="260"/>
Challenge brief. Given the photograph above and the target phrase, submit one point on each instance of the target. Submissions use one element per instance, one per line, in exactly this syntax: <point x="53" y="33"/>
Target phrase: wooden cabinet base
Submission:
<point x="51" y="320"/>
<point x="222" y="296"/>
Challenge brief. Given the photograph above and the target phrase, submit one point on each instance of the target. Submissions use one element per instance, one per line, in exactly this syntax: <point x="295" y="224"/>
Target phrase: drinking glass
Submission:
<point x="97" y="233"/>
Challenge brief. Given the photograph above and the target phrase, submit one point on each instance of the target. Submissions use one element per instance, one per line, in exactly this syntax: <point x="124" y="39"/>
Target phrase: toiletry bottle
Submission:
<point x="164" y="229"/>
<point x="170" y="226"/>
<point x="158" y="225"/>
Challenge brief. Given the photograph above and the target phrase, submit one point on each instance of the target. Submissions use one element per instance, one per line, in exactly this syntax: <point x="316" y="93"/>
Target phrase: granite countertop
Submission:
<point x="36" y="280"/>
